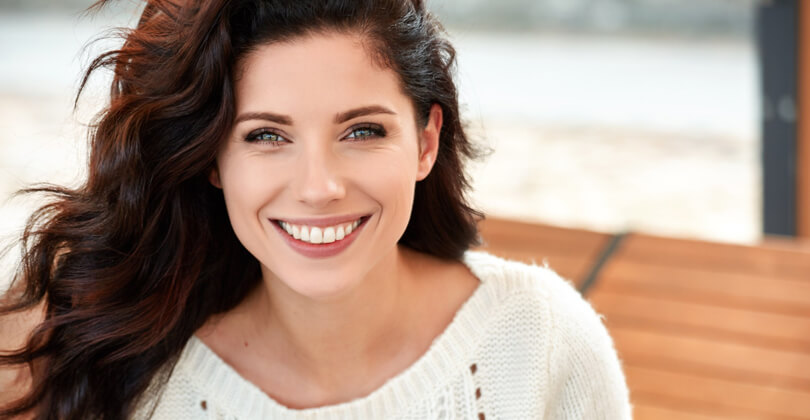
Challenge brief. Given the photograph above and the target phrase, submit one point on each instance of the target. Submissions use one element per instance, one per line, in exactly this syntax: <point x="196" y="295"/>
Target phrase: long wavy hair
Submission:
<point x="129" y="265"/>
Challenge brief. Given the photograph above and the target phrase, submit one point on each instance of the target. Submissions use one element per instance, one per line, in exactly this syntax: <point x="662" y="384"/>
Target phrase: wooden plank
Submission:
<point x="565" y="238"/>
<point x="542" y="238"/>
<point x="697" y="393"/>
<point x="570" y="252"/>
<point x="571" y="268"/>
<point x="769" y="260"/>
<point x="624" y="275"/>
<point x="645" y="410"/>
<point x="743" y="363"/>
<point x="786" y="242"/>
<point x="704" y="330"/>
<point x="777" y="331"/>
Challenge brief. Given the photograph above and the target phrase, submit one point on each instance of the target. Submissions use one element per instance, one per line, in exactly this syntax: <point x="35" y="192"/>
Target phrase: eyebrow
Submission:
<point x="340" y="117"/>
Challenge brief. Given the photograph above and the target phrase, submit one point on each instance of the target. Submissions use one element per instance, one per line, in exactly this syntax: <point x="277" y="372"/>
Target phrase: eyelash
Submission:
<point x="373" y="131"/>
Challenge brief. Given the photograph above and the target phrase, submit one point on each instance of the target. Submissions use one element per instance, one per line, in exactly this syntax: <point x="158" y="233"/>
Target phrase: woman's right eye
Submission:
<point x="265" y="136"/>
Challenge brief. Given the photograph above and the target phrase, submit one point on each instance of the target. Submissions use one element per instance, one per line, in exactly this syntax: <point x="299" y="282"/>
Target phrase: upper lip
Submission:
<point x="323" y="221"/>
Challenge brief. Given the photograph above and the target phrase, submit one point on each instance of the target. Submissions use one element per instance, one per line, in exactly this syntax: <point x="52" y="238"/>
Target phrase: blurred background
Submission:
<point x="615" y="115"/>
<point x="604" y="117"/>
<point x="608" y="115"/>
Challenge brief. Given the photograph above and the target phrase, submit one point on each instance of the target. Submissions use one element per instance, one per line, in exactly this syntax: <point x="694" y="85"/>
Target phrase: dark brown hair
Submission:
<point x="133" y="262"/>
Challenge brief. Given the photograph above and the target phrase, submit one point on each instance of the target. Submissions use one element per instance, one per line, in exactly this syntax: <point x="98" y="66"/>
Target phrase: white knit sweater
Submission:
<point x="524" y="346"/>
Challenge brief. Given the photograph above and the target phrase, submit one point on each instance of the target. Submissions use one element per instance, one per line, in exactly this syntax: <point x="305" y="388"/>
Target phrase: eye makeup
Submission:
<point x="366" y="131"/>
<point x="358" y="133"/>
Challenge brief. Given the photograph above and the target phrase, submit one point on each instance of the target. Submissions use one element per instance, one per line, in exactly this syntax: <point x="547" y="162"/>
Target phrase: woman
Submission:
<point x="274" y="226"/>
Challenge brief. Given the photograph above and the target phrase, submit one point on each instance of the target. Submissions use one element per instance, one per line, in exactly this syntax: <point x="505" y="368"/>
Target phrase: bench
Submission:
<point x="704" y="330"/>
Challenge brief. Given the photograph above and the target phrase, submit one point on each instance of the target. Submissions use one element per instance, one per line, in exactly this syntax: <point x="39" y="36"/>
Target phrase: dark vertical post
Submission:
<point x="803" y="133"/>
<point x="777" y="33"/>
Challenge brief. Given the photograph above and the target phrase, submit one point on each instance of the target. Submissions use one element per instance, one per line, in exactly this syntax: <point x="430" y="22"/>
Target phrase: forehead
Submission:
<point x="315" y="73"/>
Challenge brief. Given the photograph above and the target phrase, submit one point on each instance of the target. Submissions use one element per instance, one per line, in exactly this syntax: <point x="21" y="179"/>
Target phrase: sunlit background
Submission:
<point x="607" y="115"/>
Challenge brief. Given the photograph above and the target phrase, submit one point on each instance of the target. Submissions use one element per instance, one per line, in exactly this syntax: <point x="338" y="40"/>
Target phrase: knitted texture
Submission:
<point x="525" y="345"/>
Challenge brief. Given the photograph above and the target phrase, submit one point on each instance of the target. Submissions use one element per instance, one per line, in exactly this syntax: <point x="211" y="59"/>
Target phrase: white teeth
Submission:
<point x="315" y="235"/>
<point x="329" y="235"/>
<point x="318" y="235"/>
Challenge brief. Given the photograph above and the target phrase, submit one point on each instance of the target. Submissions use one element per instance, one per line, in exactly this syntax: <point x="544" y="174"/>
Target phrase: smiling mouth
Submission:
<point x="320" y="234"/>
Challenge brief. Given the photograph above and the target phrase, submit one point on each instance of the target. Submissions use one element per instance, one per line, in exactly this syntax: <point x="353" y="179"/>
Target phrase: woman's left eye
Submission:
<point x="366" y="132"/>
<point x="265" y="136"/>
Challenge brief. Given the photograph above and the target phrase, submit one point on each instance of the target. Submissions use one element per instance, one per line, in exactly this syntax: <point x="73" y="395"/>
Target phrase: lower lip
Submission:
<point x="320" y="250"/>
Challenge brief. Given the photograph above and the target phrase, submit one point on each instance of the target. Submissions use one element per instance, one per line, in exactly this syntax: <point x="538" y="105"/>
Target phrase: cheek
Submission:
<point x="391" y="180"/>
<point x="246" y="187"/>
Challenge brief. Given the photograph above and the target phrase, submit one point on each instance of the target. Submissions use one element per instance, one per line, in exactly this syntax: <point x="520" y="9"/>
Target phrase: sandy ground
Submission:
<point x="614" y="180"/>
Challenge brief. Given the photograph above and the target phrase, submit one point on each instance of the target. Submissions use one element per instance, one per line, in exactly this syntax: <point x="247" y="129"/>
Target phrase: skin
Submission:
<point x="321" y="331"/>
<point x="15" y="330"/>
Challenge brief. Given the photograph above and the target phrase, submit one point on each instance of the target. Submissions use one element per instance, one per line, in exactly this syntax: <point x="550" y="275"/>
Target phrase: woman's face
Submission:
<point x="325" y="145"/>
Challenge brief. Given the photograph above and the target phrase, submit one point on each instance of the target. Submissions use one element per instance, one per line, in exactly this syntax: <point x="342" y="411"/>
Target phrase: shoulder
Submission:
<point x="546" y="325"/>
<point x="533" y="308"/>
<point x="535" y="294"/>
<point x="512" y="278"/>
<point x="542" y="295"/>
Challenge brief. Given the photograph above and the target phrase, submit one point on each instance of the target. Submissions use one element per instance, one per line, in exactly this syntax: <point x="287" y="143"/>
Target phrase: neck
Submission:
<point x="331" y="339"/>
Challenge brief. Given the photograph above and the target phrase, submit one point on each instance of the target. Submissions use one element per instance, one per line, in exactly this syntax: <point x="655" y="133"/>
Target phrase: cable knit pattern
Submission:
<point x="525" y="345"/>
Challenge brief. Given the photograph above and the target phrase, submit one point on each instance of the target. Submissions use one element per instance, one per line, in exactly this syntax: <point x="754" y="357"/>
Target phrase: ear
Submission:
<point x="213" y="177"/>
<point x="429" y="142"/>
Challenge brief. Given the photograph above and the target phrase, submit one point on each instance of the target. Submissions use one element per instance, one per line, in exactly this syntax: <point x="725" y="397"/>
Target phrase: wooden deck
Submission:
<point x="704" y="330"/>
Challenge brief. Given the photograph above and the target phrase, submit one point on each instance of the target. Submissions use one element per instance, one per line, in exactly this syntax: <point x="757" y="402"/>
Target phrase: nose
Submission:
<point x="317" y="181"/>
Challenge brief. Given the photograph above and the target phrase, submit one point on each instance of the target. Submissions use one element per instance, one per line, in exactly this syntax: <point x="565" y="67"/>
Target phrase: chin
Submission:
<point x="319" y="285"/>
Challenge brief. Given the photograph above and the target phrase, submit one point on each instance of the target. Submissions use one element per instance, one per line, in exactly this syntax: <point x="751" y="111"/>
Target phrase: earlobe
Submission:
<point x="213" y="178"/>
<point x="429" y="142"/>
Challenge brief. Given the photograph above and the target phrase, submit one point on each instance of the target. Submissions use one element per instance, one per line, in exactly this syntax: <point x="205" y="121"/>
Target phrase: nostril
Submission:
<point x="318" y="193"/>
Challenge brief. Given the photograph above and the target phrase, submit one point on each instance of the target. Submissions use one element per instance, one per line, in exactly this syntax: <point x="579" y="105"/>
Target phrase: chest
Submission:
<point x="481" y="391"/>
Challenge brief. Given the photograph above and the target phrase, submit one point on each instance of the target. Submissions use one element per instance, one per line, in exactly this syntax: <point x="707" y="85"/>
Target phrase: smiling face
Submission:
<point x="325" y="146"/>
